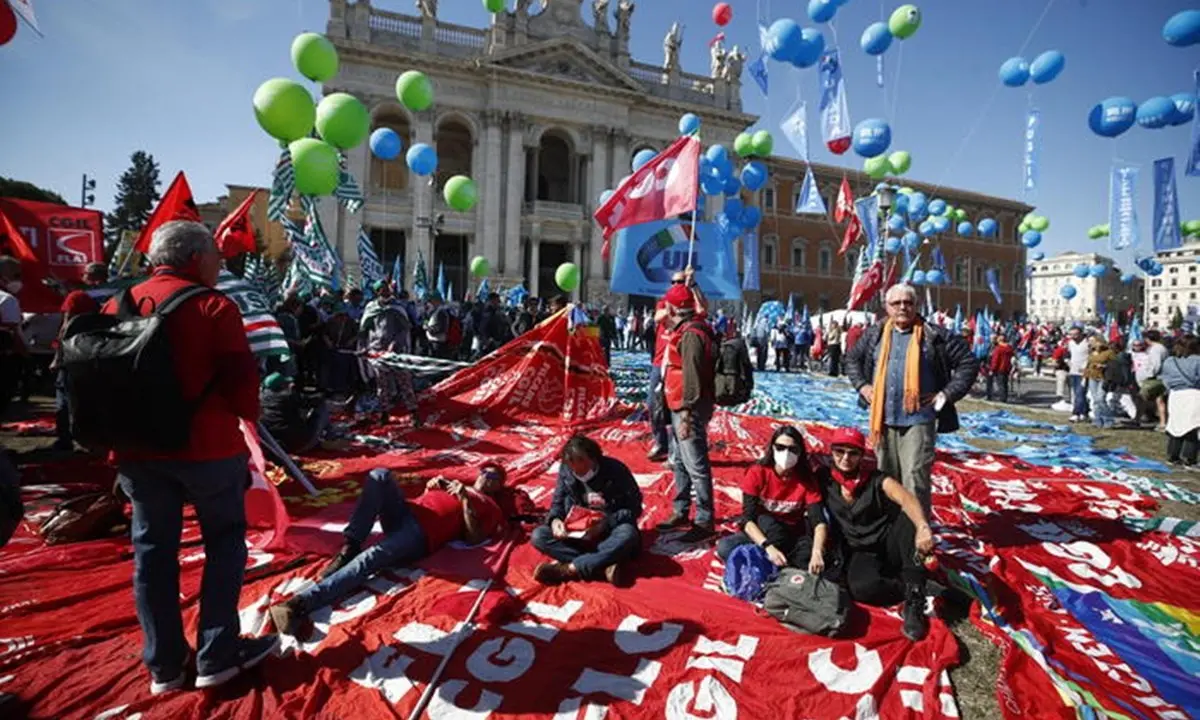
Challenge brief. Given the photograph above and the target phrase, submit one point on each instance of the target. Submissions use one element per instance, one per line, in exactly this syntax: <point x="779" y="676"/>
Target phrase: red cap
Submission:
<point x="680" y="296"/>
<point x="848" y="437"/>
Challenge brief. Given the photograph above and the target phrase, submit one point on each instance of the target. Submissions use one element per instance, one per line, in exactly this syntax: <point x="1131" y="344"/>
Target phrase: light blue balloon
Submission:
<point x="689" y="124"/>
<point x="1081" y="270"/>
<point x="911" y="240"/>
<point x="822" y="10"/>
<point x="1031" y="238"/>
<point x="604" y="197"/>
<point x="1185" y="107"/>
<point x="966" y="229"/>
<point x="988" y="227"/>
<point x="937" y="206"/>
<point x="892" y="245"/>
<point x="641" y="158"/>
<point x="900" y="204"/>
<point x="940" y="224"/>
<point x="754" y="175"/>
<point x="783" y="40"/>
<point x="1047" y="66"/>
<point x="895" y="223"/>
<point x="1182" y="29"/>
<point x="918" y="277"/>
<point x="872" y="137"/>
<point x="386" y="144"/>
<point x="1067" y="291"/>
<point x="712" y="185"/>
<point x="1014" y="72"/>
<point x="733" y="207"/>
<point x="717" y="154"/>
<point x="1038" y="256"/>
<point x="422" y="159"/>
<point x="935" y="277"/>
<point x="1156" y="112"/>
<point x="876" y="39"/>
<point x="733" y="186"/>
<point x="1098" y="270"/>
<point x="926" y="228"/>
<point x="751" y="217"/>
<point x="812" y="44"/>
<point x="917" y="203"/>
<point x="1113" y="116"/>
<point x="1128" y="278"/>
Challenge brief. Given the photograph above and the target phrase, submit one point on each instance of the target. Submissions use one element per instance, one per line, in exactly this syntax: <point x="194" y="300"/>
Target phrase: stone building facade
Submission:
<point x="1094" y="297"/>
<point x="1176" y="289"/>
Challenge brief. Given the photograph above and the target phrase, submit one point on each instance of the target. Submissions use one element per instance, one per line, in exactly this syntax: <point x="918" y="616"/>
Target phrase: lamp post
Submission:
<point x="86" y="196"/>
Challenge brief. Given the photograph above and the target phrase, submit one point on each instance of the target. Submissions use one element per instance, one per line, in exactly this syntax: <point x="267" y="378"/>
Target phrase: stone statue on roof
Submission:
<point x="428" y="8"/>
<point x="625" y="10"/>
<point x="600" y="15"/>
<point x="717" y="54"/>
<point x="671" y="44"/>
<point x="734" y="61"/>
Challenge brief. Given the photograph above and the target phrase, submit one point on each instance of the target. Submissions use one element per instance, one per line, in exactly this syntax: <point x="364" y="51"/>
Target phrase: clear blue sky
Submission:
<point x="175" y="78"/>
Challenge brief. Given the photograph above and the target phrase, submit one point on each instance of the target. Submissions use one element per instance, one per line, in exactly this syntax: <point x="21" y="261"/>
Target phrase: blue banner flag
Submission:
<point x="1193" y="166"/>
<point x="1166" y="206"/>
<point x="1122" y="207"/>
<point x="795" y="129"/>
<point x="993" y="283"/>
<point x="758" y="71"/>
<point x="868" y="215"/>
<point x="1033" y="123"/>
<point x="750" y="277"/>
<point x="646" y="256"/>
<point x="810" y="201"/>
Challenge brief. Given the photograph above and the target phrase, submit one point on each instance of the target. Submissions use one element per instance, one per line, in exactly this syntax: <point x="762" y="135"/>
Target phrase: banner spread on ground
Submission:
<point x="65" y="240"/>
<point x="1094" y="616"/>
<point x="648" y="254"/>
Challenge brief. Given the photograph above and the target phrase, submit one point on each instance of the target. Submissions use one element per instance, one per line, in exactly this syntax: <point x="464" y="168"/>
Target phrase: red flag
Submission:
<point x="719" y="37"/>
<point x="177" y="204"/>
<point x="867" y="286"/>
<point x="235" y="234"/>
<point x="606" y="248"/>
<point x="665" y="187"/>
<point x="17" y="245"/>
<point x="264" y="506"/>
<point x="853" y="230"/>
<point x="845" y="202"/>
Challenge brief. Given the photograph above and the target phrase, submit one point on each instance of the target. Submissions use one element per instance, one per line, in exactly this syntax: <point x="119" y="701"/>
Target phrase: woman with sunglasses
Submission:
<point x="881" y="529"/>
<point x="781" y="506"/>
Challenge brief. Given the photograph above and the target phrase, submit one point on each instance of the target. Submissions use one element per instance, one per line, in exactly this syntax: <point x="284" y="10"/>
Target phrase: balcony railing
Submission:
<point x="554" y="210"/>
<point x="405" y="25"/>
<point x="461" y="35"/>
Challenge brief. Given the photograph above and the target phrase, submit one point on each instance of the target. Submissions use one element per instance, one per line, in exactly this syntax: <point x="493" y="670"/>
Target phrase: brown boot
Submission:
<point x="289" y="620"/>
<point x="617" y="575"/>
<point x="555" y="573"/>
<point x="674" y="522"/>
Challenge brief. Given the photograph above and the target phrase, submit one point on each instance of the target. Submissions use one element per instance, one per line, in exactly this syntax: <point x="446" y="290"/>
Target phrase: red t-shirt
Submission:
<point x="786" y="498"/>
<point x="78" y="302"/>
<point x="441" y="517"/>
<point x="1002" y="359"/>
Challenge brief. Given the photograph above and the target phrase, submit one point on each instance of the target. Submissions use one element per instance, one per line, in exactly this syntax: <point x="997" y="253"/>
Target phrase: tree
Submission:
<point x="1177" y="319"/>
<point x="22" y="190"/>
<point x="137" y="194"/>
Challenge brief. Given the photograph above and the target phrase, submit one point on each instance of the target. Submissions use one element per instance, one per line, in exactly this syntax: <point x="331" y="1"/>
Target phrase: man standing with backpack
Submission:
<point x="162" y="377"/>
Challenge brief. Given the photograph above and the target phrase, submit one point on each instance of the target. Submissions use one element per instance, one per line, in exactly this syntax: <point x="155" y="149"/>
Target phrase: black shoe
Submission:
<point x="698" y="534"/>
<point x="657" y="454"/>
<point x="672" y="523"/>
<point x="251" y="652"/>
<point x="348" y="552"/>
<point x="916" y="625"/>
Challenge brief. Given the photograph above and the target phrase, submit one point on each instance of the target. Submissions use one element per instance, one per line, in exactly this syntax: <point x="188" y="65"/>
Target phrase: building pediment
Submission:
<point x="564" y="59"/>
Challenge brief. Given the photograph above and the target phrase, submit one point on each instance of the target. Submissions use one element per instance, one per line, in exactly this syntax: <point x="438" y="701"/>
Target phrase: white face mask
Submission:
<point x="15" y="286"/>
<point x="586" y="477"/>
<point x="786" y="459"/>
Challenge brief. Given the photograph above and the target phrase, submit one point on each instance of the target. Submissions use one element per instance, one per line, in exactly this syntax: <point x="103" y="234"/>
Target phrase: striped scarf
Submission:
<point x="265" y="336"/>
<point x="912" y="377"/>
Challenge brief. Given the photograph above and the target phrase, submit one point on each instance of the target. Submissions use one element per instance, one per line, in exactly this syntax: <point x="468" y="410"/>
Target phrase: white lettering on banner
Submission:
<point x="558" y="613"/>
<point x="862" y="677"/>
<point x="1046" y="531"/>
<point x="569" y="710"/>
<point x="626" y="687"/>
<point x="442" y="704"/>
<point x="632" y="642"/>
<point x="429" y="639"/>
<point x="115" y="712"/>
<point x="712" y="700"/>
<point x="514" y="657"/>
<point x="1088" y="560"/>
<point x="388" y="676"/>
<point x="1013" y="495"/>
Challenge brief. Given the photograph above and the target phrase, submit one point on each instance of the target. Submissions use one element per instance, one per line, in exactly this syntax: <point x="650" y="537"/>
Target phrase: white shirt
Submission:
<point x="1079" y="356"/>
<point x="10" y="309"/>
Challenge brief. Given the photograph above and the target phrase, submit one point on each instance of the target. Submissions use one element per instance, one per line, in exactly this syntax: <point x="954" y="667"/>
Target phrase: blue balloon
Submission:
<point x="422" y="159"/>
<point x="689" y="124"/>
<point x="940" y="224"/>
<point x="1031" y="238"/>
<point x="1038" y="256"/>
<point x="1185" y="107"/>
<point x="386" y="144"/>
<point x="712" y="185"/>
<point x="751" y="217"/>
<point x="783" y="40"/>
<point x="604" y="196"/>
<point x="1014" y="72"/>
<point x="966" y="229"/>
<point x="1156" y="112"/>
<point x="1047" y="66"/>
<point x="917" y="204"/>
<point x="641" y="158"/>
<point x="1067" y="291"/>
<point x="1098" y="270"/>
<point x="988" y="227"/>
<point x="876" y="39"/>
<point x="935" y="277"/>
<point x="1182" y="29"/>
<point x="872" y="137"/>
<point x="717" y="154"/>
<point x="1155" y="270"/>
<point x="918" y="277"/>
<point x="1112" y="117"/>
<point x="911" y="240"/>
<point x="926" y="228"/>
<point x="937" y="206"/>
<point x="812" y="44"/>
<point x="1081" y="270"/>
<point x="733" y="186"/>
<point x="892" y="245"/>
<point x="733" y="207"/>
<point x="1128" y="278"/>
<point x="822" y="10"/>
<point x="895" y="223"/>
<point x="754" y="175"/>
<point x="900" y="204"/>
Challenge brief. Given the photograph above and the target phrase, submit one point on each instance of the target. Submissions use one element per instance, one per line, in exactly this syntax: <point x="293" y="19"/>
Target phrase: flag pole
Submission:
<point x="695" y="207"/>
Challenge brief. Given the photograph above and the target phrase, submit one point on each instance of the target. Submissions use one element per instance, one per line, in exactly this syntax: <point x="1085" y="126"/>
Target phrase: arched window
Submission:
<point x="799" y="254"/>
<point x="454" y="148"/>
<point x="825" y="260"/>
<point x="770" y="251"/>
<point x="391" y="174"/>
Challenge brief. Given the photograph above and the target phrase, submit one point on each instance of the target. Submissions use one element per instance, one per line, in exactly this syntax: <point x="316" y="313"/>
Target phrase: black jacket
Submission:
<point x="622" y="496"/>
<point x="954" y="367"/>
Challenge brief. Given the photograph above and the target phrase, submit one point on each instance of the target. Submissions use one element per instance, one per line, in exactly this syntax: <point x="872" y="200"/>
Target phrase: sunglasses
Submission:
<point x="677" y="282"/>
<point x="847" y="452"/>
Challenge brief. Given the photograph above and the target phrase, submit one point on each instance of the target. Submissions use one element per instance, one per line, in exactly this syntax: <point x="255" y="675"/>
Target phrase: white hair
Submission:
<point x="896" y="291"/>
<point x="178" y="242"/>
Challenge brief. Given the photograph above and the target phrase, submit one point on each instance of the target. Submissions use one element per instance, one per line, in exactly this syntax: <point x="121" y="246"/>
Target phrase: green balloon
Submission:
<point x="316" y="165"/>
<point x="460" y="193"/>
<point x="948" y="213"/>
<point x="762" y="143"/>
<point x="493" y="6"/>
<point x="414" y="90"/>
<point x="315" y="57"/>
<point x="960" y="214"/>
<point x="480" y="266"/>
<point x="343" y="121"/>
<point x="284" y="109"/>
<point x="877" y="167"/>
<point x="905" y="190"/>
<point x="567" y="276"/>
<point x="1094" y="233"/>
<point x="1039" y="223"/>
<point x="1192" y="227"/>
<point x="901" y="161"/>
<point x="904" y="21"/>
<point x="1023" y="227"/>
<point x="743" y="145"/>
<point x="1104" y="230"/>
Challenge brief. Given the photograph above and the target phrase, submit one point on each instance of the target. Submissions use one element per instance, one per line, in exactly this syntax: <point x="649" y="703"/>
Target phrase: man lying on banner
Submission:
<point x="881" y="530"/>
<point x="413" y="528"/>
<point x="662" y="316"/>
<point x="592" y="526"/>
<point x="781" y="506"/>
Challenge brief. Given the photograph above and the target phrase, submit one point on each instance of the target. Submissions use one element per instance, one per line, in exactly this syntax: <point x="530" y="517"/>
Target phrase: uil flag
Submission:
<point x="235" y="234"/>
<point x="663" y="188"/>
<point x="869" y="278"/>
<point x="810" y="201"/>
<point x="177" y="204"/>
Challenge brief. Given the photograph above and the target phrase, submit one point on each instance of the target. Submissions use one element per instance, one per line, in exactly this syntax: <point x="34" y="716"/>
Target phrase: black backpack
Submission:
<point x="123" y="390"/>
<point x="733" y="373"/>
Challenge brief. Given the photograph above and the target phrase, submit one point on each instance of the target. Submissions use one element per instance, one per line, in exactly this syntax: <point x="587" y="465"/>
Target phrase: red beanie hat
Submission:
<point x="680" y="296"/>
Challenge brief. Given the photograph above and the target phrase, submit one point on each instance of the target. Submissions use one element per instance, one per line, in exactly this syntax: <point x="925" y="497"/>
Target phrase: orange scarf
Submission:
<point x="912" y="377"/>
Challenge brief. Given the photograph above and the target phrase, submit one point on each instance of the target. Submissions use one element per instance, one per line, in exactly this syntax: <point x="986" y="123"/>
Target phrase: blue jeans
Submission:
<point x="621" y="543"/>
<point x="316" y="428"/>
<point x="403" y="542"/>
<point x="659" y="431"/>
<point x="689" y="458"/>
<point x="1102" y="412"/>
<point x="158" y="490"/>
<point x="1079" y="394"/>
<point x="62" y="408"/>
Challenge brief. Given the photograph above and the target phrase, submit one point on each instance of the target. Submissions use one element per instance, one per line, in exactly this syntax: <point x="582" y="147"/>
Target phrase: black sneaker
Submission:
<point x="916" y="625"/>
<point x="250" y="652"/>
<point x="341" y="560"/>
<point x="674" y="522"/>
<point x="698" y="534"/>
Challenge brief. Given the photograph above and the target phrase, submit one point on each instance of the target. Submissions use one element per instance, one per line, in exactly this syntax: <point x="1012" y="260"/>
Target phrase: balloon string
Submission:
<point x="891" y="114"/>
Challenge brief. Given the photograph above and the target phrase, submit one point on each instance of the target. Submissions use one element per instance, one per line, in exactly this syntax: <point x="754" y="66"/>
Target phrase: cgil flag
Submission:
<point x="662" y="189"/>
<point x="177" y="204"/>
<point x="235" y="234"/>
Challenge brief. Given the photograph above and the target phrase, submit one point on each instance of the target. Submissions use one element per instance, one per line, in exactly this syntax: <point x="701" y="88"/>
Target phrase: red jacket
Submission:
<point x="210" y="346"/>
<point x="1002" y="359"/>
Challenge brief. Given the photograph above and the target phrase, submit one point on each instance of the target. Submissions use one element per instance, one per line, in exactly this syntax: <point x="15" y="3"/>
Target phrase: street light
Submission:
<point x="86" y="197"/>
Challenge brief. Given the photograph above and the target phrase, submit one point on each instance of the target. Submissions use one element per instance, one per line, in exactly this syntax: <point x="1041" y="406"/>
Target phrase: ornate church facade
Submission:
<point x="543" y="109"/>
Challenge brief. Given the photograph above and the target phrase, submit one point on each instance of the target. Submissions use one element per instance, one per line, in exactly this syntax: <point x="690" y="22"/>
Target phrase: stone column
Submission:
<point x="358" y="22"/>
<point x="535" y="247"/>
<point x="514" y="198"/>
<point x="620" y="158"/>
<point x="490" y="229"/>
<point x="479" y="169"/>
<point x="599" y="183"/>
<point x="422" y="204"/>
<point x="577" y="258"/>
<point x="428" y="37"/>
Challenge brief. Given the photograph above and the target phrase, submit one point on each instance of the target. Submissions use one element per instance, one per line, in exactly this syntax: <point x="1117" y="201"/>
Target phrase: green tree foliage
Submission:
<point x="22" y="190"/>
<point x="137" y="194"/>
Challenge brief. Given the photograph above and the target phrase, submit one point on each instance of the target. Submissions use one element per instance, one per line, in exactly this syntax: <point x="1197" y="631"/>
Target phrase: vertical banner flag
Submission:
<point x="750" y="277"/>
<point x="835" y="114"/>
<point x="1122" y="210"/>
<point x="993" y="283"/>
<point x="368" y="260"/>
<point x="1033" y="123"/>
<point x="1166" y="206"/>
<point x="1193" y="166"/>
<point x="810" y="201"/>
<point x="758" y="71"/>
<point x="795" y="129"/>
<point x="868" y="217"/>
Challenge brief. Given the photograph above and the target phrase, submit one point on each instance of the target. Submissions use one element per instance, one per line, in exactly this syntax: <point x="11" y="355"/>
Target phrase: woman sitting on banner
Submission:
<point x="296" y="420"/>
<point x="881" y="530"/>
<point x="781" y="506"/>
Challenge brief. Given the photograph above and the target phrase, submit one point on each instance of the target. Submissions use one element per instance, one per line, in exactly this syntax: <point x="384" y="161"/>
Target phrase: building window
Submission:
<point x="796" y="201"/>
<point x="979" y="275"/>
<point x="1173" y="296"/>
<point x="1174" y="282"/>
<point x="798" y="258"/>
<point x="823" y="302"/>
<point x="769" y="199"/>
<point x="1018" y="277"/>
<point x="825" y="260"/>
<point x="960" y="273"/>
<point x="1172" y="271"/>
<point x="769" y="250"/>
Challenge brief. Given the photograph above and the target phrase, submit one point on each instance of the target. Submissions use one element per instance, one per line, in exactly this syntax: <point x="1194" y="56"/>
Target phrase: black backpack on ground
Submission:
<point x="124" y="392"/>
<point x="733" y="374"/>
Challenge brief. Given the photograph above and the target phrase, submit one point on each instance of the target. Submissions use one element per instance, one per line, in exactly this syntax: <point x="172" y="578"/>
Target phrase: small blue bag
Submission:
<point x="747" y="572"/>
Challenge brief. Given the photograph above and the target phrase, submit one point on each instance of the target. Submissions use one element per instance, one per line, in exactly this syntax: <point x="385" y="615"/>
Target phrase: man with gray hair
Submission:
<point x="217" y="379"/>
<point x="910" y="373"/>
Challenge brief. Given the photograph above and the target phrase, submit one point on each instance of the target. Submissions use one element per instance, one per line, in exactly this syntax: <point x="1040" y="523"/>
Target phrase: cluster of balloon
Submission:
<point x="480" y="267"/>
<point x="1096" y="232"/>
<point x="903" y="23"/>
<point x="786" y="41"/>
<point x="567" y="276"/>
<point x="895" y="164"/>
<point x="1182" y="29"/>
<point x="759" y="144"/>
<point x="1111" y="117"/>
<point x="722" y="13"/>
<point x="1149" y="265"/>
<point x="1015" y="71"/>
<point x="1031" y="229"/>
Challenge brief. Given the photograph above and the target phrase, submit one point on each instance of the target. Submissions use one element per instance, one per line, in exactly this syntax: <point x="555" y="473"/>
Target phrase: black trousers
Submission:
<point x="835" y="360"/>
<point x="877" y="575"/>
<point x="760" y="357"/>
<point x="1183" y="448"/>
<point x="792" y="541"/>
<point x="1001" y="382"/>
<point x="783" y="359"/>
